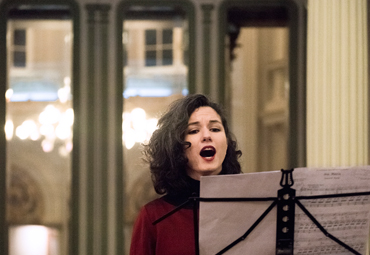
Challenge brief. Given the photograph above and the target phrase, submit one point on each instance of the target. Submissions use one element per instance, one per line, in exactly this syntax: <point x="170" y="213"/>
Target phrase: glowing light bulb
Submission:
<point x="9" y="129"/>
<point x="50" y="115"/>
<point x="126" y="121"/>
<point x="138" y="116"/>
<point x="129" y="138"/>
<point x="9" y="94"/>
<point x="27" y="129"/>
<point x="69" y="117"/>
<point x="47" y="130"/>
<point x="140" y="136"/>
<point x="69" y="146"/>
<point x="67" y="81"/>
<point x="151" y="125"/>
<point x="63" y="131"/>
<point x="47" y="145"/>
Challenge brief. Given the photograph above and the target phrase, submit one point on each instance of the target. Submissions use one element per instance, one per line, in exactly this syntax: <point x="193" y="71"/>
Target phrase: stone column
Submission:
<point x="94" y="198"/>
<point x="207" y="23"/>
<point x="337" y="83"/>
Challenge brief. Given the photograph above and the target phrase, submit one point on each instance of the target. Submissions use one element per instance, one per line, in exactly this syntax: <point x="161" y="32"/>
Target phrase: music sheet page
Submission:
<point x="346" y="218"/>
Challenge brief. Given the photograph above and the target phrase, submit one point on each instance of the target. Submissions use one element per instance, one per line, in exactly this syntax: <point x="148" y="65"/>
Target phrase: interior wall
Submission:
<point x="244" y="94"/>
<point x="259" y="98"/>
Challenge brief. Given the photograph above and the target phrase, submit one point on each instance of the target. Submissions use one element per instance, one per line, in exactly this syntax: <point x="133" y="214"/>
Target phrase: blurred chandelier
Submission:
<point x="136" y="128"/>
<point x="52" y="124"/>
<point x="51" y="127"/>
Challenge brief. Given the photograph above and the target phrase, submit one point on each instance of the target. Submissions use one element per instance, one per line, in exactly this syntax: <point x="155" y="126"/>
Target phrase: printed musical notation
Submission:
<point x="337" y="222"/>
<point x="346" y="218"/>
<point x="337" y="201"/>
<point x="314" y="249"/>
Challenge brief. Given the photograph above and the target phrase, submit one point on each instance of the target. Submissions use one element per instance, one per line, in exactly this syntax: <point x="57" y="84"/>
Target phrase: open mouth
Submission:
<point x="207" y="152"/>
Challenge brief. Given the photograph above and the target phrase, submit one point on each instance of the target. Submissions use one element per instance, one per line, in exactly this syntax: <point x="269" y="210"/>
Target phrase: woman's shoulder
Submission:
<point x="155" y="209"/>
<point x="158" y="205"/>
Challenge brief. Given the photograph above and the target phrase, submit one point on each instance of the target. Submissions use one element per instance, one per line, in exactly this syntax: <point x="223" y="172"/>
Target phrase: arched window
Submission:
<point x="39" y="82"/>
<point x="155" y="67"/>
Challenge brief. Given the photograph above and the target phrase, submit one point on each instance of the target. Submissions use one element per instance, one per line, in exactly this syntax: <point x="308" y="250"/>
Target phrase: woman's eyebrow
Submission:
<point x="198" y="123"/>
<point x="193" y="123"/>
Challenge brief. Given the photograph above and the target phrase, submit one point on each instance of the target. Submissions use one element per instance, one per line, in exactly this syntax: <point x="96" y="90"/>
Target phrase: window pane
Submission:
<point x="167" y="36"/>
<point x="150" y="37"/>
<point x="39" y="120"/>
<point x="20" y="37"/>
<point x="167" y="57"/>
<point x="19" y="59"/>
<point x="154" y="77"/>
<point x="150" y="58"/>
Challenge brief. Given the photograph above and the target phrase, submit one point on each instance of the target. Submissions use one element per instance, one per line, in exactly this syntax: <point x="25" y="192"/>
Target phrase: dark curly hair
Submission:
<point x="165" y="150"/>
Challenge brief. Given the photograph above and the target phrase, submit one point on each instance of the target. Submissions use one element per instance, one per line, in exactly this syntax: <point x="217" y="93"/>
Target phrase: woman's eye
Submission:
<point x="215" y="129"/>
<point x="194" y="131"/>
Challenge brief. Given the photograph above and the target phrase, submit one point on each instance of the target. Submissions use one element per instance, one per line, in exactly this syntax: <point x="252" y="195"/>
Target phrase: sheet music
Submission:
<point x="346" y="218"/>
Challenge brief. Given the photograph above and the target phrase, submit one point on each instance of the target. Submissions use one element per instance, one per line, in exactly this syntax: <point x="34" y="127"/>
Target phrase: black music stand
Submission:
<point x="285" y="201"/>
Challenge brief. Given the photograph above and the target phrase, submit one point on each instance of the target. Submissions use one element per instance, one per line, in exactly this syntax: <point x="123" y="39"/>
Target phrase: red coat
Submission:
<point x="172" y="236"/>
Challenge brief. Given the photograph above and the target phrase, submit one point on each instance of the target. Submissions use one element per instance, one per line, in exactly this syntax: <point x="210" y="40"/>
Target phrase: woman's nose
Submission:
<point x="207" y="136"/>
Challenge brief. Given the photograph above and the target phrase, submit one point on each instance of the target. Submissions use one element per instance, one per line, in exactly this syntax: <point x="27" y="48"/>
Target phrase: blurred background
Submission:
<point x="84" y="83"/>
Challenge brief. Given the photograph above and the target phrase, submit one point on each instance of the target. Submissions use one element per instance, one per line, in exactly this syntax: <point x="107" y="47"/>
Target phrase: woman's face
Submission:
<point x="208" y="141"/>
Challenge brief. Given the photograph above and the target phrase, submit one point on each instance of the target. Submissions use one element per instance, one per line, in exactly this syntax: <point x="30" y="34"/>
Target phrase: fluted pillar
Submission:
<point x="207" y="22"/>
<point x="94" y="199"/>
<point x="337" y="83"/>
